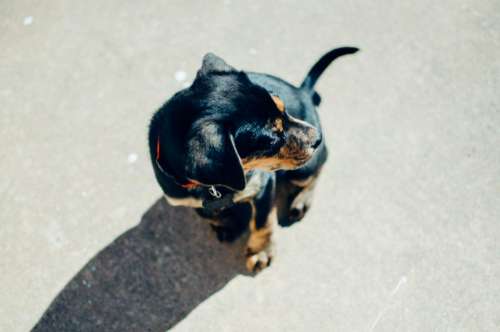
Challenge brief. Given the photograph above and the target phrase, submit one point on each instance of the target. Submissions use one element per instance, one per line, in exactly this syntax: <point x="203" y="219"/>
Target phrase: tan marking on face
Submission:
<point x="295" y="154"/>
<point x="278" y="125"/>
<point x="289" y="157"/>
<point x="268" y="163"/>
<point x="302" y="129"/>
<point x="279" y="103"/>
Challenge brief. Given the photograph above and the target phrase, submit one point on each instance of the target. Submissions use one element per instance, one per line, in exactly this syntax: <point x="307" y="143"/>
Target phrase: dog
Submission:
<point x="228" y="142"/>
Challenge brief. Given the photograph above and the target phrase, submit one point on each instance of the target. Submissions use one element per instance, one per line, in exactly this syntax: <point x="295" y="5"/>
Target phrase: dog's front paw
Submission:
<point x="256" y="262"/>
<point x="302" y="202"/>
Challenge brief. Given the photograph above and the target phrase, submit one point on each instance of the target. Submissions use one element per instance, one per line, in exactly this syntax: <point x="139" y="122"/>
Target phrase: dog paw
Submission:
<point x="301" y="204"/>
<point x="297" y="212"/>
<point x="256" y="262"/>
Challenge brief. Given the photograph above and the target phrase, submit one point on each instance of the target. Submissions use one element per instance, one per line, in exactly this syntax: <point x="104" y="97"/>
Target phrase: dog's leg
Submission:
<point x="301" y="198"/>
<point x="259" y="246"/>
<point x="231" y="223"/>
<point x="295" y="194"/>
<point x="259" y="250"/>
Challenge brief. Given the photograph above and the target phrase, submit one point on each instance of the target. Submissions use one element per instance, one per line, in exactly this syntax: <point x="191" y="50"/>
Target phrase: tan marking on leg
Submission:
<point x="302" y="202"/>
<point x="259" y="238"/>
<point x="259" y="246"/>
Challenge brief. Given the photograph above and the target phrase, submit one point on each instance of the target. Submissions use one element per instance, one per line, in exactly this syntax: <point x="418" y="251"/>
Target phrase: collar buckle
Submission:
<point x="214" y="192"/>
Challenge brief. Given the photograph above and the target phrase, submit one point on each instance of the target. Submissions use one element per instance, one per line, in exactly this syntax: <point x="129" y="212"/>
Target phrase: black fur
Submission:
<point x="226" y="116"/>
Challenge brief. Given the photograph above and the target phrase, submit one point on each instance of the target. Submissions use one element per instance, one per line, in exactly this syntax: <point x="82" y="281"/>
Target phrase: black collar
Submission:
<point x="213" y="200"/>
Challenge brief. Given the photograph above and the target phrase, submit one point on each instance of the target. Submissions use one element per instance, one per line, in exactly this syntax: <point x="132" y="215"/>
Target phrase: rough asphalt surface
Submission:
<point x="404" y="234"/>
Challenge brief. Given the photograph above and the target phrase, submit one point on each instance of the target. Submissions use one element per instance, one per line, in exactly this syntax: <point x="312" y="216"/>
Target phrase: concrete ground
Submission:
<point x="404" y="234"/>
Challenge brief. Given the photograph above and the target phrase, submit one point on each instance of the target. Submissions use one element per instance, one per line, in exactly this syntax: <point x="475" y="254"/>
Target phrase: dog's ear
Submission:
<point x="212" y="158"/>
<point x="212" y="63"/>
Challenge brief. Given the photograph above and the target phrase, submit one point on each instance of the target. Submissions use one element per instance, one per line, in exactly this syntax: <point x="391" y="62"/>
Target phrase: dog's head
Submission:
<point x="239" y="126"/>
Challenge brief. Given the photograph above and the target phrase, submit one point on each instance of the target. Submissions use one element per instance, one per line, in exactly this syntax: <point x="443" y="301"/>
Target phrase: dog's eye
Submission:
<point x="278" y="125"/>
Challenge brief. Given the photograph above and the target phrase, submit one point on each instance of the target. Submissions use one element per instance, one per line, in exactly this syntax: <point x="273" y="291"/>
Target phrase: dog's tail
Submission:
<point x="320" y="66"/>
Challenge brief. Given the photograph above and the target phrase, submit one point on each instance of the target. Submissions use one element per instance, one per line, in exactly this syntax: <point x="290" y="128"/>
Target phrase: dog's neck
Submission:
<point x="185" y="183"/>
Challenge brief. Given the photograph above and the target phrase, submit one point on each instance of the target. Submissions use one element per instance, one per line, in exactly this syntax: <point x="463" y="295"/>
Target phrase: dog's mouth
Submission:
<point x="282" y="160"/>
<point x="297" y="160"/>
<point x="295" y="154"/>
<point x="305" y="156"/>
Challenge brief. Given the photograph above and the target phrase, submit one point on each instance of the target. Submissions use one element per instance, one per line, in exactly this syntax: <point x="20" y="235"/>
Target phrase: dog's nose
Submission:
<point x="317" y="142"/>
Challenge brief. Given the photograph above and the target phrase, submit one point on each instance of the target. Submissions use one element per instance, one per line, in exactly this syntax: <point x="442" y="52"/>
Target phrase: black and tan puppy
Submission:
<point x="223" y="144"/>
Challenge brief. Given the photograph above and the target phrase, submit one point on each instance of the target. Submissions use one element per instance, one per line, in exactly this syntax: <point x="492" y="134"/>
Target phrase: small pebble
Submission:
<point x="132" y="158"/>
<point x="28" y="20"/>
<point x="180" y="75"/>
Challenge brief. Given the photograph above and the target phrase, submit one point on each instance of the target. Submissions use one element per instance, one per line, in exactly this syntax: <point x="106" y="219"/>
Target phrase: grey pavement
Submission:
<point x="404" y="233"/>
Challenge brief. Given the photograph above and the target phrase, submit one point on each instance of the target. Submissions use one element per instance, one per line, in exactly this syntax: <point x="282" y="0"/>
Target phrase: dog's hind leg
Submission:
<point x="295" y="198"/>
<point x="303" y="199"/>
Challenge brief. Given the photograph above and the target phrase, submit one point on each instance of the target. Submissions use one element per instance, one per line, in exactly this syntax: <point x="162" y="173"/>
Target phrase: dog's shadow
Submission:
<point x="149" y="278"/>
